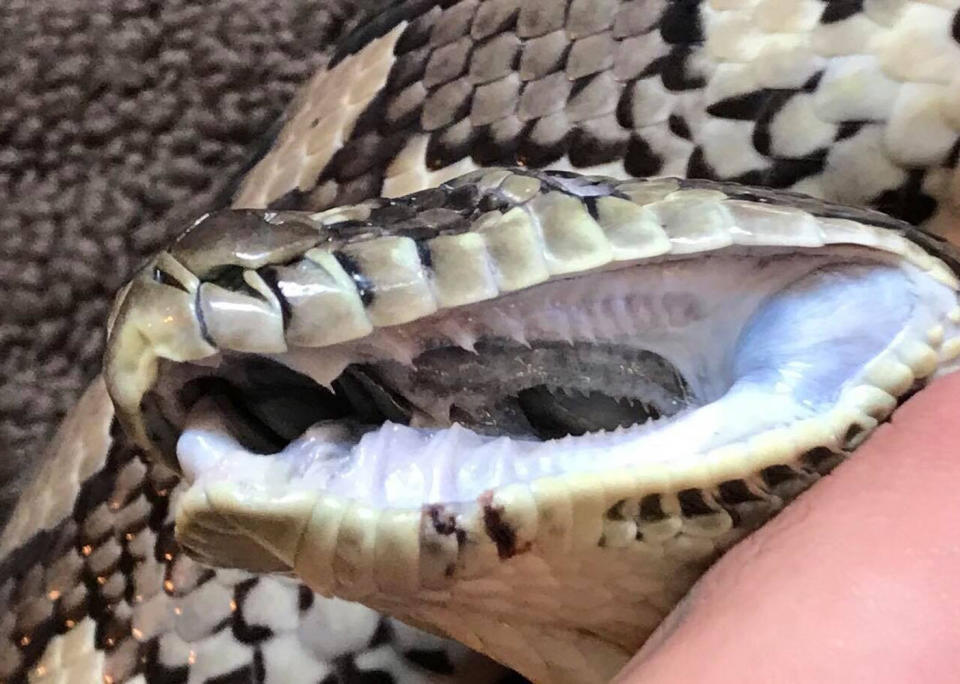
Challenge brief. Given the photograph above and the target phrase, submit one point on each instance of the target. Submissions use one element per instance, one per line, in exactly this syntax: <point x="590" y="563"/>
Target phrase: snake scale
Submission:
<point x="394" y="255"/>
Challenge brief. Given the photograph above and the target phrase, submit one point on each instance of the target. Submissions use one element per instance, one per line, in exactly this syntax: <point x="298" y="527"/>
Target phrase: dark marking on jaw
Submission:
<point x="913" y="389"/>
<point x="853" y="437"/>
<point x="821" y="459"/>
<point x="776" y="475"/>
<point x="363" y="283"/>
<point x="734" y="492"/>
<point x="693" y="503"/>
<point x="650" y="508"/>
<point x="615" y="512"/>
<point x="499" y="530"/>
<point x="443" y="523"/>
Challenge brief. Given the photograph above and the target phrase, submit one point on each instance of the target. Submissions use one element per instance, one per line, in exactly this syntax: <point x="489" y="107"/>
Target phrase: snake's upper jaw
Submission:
<point x="415" y="457"/>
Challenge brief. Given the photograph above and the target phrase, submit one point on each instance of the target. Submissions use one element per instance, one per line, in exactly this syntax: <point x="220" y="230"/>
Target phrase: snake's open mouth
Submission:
<point x="501" y="382"/>
<point x="645" y="365"/>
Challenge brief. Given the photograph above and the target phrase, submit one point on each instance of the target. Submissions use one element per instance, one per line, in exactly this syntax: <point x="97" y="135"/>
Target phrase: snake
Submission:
<point x="523" y="315"/>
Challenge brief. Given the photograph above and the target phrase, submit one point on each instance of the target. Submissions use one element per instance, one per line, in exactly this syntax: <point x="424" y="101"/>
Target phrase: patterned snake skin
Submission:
<point x="857" y="103"/>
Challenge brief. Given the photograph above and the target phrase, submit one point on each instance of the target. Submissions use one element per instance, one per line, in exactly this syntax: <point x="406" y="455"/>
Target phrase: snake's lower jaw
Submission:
<point x="537" y="456"/>
<point x="560" y="556"/>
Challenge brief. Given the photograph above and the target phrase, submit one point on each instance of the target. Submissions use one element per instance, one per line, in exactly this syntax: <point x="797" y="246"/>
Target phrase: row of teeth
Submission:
<point x="357" y="551"/>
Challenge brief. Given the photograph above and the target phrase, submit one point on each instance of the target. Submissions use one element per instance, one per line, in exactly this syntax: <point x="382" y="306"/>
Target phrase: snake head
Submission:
<point x="523" y="408"/>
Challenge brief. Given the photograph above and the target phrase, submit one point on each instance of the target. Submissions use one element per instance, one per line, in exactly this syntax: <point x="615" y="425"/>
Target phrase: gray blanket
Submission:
<point x="119" y="121"/>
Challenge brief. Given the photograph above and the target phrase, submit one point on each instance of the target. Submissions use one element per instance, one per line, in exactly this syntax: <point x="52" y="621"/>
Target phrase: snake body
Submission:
<point x="849" y="103"/>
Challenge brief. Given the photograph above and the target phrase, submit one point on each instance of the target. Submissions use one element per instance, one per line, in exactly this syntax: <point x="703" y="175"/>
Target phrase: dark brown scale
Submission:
<point x="615" y="512"/>
<point x="450" y="145"/>
<point x="776" y="475"/>
<point x="650" y="509"/>
<point x="680" y="23"/>
<point x="486" y="150"/>
<point x="783" y="173"/>
<point x="732" y="492"/>
<point x="766" y="112"/>
<point x="417" y="33"/>
<point x="747" y="107"/>
<point x="640" y="159"/>
<point x="693" y="503"/>
<point x="674" y="71"/>
<point x="362" y="155"/>
<point x="156" y="671"/>
<point x="544" y="142"/>
<point x="837" y="10"/>
<point x="243" y="631"/>
<point x="679" y="127"/>
<point x="403" y="111"/>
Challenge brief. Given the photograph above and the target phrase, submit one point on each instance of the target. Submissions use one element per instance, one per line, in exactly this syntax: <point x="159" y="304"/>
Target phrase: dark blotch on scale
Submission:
<point x="693" y="503"/>
<point x="776" y="475"/>
<point x="363" y="283"/>
<point x="650" y="509"/>
<point x="838" y="10"/>
<point x="734" y="492"/>
<point x="502" y="534"/>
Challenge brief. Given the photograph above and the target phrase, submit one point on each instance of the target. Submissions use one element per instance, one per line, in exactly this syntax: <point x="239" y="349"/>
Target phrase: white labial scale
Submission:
<point x="764" y="344"/>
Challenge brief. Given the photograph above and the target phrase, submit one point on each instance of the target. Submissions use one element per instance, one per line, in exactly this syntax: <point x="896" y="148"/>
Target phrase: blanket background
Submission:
<point x="119" y="121"/>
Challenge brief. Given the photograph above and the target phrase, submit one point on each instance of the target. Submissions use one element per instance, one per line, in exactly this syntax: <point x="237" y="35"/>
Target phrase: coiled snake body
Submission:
<point x="515" y="407"/>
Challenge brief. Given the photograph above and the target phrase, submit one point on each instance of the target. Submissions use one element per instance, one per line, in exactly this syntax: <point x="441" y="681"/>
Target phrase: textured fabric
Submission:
<point x="120" y="121"/>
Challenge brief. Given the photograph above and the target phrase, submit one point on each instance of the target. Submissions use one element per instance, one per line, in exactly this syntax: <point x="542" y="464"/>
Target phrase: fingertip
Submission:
<point x="857" y="580"/>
